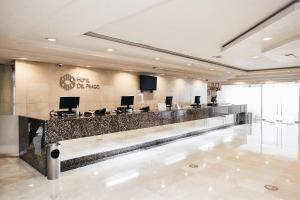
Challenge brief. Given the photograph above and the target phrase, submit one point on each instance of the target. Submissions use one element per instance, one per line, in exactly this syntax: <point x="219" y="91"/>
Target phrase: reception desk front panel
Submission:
<point x="36" y="134"/>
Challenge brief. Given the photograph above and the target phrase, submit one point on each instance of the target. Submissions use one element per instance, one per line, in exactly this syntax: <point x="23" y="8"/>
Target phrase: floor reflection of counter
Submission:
<point x="226" y="170"/>
<point x="61" y="129"/>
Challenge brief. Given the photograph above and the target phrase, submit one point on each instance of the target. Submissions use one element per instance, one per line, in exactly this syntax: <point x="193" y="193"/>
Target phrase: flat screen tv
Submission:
<point x="148" y="83"/>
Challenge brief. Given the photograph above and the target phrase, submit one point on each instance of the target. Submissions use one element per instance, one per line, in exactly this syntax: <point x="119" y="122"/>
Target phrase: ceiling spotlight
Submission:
<point x="22" y="58"/>
<point x="51" y="39"/>
<point x="60" y="65"/>
<point x="157" y="58"/>
<point x="162" y="74"/>
<point x="255" y="57"/>
<point x="88" y="66"/>
<point x="267" y="38"/>
<point x="189" y="64"/>
<point x="211" y="69"/>
<point x="110" y="50"/>
<point x="228" y="72"/>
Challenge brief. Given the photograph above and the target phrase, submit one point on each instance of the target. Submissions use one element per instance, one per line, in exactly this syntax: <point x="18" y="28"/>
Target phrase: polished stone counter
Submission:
<point x="58" y="129"/>
<point x="35" y="134"/>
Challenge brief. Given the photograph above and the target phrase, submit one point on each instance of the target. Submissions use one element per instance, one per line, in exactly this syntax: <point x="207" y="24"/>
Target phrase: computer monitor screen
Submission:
<point x="68" y="102"/>
<point x="127" y="100"/>
<point x="197" y="99"/>
<point x="148" y="83"/>
<point x="169" y="100"/>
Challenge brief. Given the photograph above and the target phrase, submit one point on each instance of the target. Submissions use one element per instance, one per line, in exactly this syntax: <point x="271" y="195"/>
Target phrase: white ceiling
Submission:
<point x="192" y="27"/>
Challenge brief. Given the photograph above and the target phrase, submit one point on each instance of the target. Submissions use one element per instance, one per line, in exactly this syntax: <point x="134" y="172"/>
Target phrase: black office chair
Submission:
<point x="100" y="112"/>
<point x="145" y="109"/>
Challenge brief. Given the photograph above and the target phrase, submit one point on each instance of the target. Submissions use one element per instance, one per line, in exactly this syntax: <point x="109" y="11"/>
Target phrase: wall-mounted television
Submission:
<point x="148" y="83"/>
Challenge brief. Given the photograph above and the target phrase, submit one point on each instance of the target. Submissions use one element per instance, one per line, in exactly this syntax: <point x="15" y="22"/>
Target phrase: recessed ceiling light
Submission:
<point x="110" y="50"/>
<point x="211" y="69"/>
<point x="267" y="38"/>
<point x="22" y="58"/>
<point x="162" y="74"/>
<point x="228" y="72"/>
<point x="51" y="39"/>
<point x="88" y="66"/>
<point x="157" y="58"/>
<point x="189" y="64"/>
<point x="255" y="57"/>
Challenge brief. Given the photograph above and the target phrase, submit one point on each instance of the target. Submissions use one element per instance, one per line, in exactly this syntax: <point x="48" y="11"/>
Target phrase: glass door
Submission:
<point x="280" y="102"/>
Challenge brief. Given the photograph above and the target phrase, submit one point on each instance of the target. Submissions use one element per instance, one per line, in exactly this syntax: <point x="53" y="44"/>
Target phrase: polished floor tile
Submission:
<point x="232" y="163"/>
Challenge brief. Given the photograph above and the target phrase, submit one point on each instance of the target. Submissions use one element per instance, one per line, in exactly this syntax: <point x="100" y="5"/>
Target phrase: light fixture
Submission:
<point x="162" y="74"/>
<point x="189" y="64"/>
<point x="88" y="66"/>
<point x="22" y="58"/>
<point x="228" y="72"/>
<point x="239" y="83"/>
<point x="110" y="50"/>
<point x="255" y="57"/>
<point x="267" y="38"/>
<point x="51" y="39"/>
<point x="211" y="69"/>
<point x="157" y="58"/>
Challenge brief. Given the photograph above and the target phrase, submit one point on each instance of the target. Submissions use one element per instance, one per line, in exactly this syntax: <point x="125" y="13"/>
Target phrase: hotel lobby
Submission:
<point x="140" y="99"/>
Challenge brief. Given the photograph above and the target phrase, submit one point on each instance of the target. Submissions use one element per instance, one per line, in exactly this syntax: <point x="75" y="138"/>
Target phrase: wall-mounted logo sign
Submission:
<point x="69" y="82"/>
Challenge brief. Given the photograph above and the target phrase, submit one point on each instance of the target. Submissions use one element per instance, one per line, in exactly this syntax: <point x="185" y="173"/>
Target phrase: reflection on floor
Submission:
<point x="103" y="143"/>
<point x="232" y="163"/>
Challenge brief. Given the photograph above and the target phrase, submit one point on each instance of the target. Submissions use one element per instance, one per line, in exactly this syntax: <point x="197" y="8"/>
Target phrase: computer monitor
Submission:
<point x="68" y="103"/>
<point x="169" y="100"/>
<point x="197" y="100"/>
<point x="127" y="101"/>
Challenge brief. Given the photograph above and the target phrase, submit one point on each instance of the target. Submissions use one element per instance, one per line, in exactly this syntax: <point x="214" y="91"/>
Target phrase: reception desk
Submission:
<point x="36" y="134"/>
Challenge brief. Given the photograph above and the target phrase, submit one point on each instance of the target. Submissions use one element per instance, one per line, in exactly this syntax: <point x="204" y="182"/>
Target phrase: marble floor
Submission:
<point x="231" y="163"/>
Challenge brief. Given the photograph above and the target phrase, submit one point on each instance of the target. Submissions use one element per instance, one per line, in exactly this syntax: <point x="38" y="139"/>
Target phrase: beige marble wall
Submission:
<point x="38" y="90"/>
<point x="6" y="90"/>
<point x="9" y="135"/>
